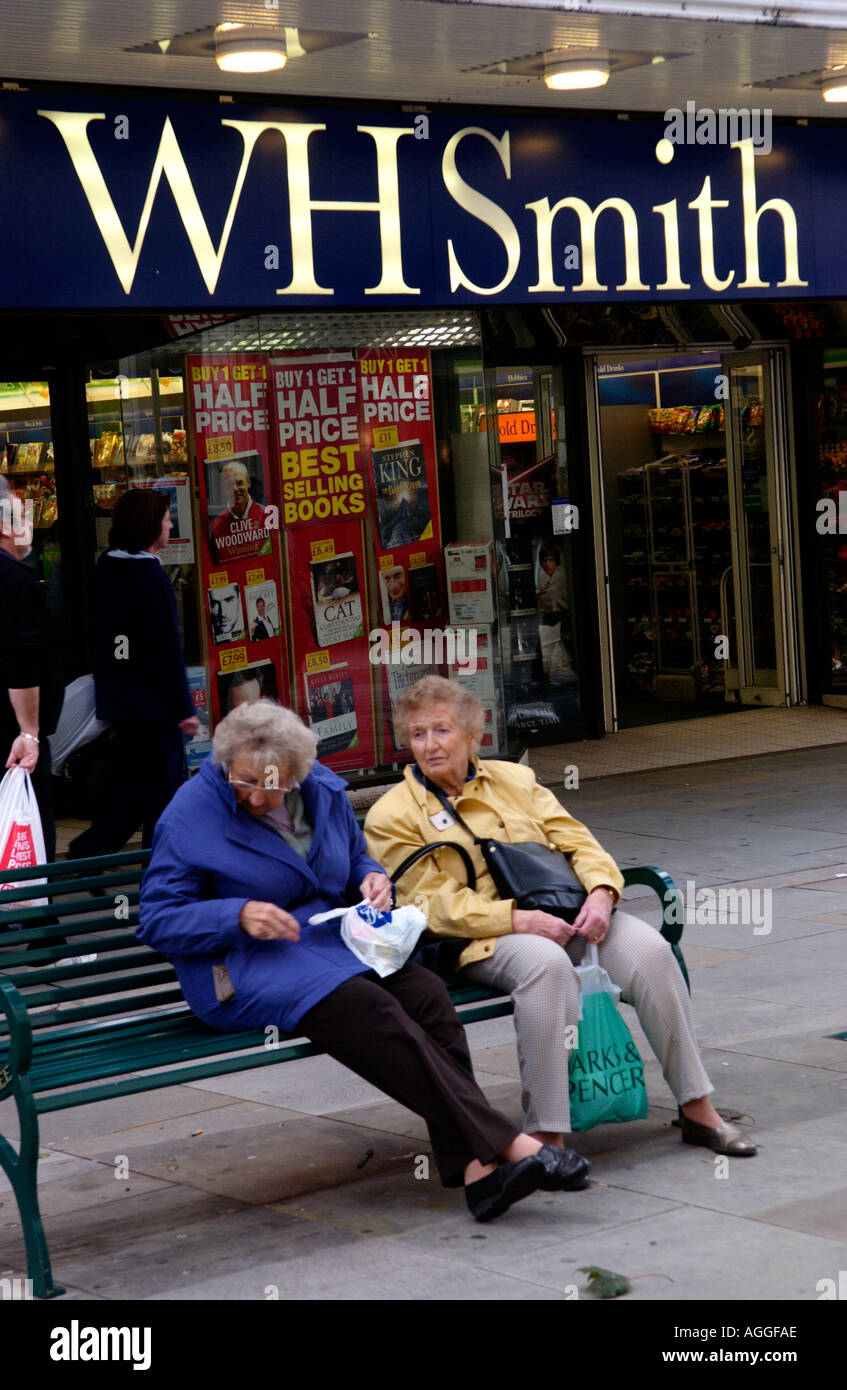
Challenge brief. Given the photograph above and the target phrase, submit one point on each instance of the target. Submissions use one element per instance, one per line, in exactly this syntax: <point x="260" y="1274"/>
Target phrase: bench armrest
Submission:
<point x="673" y="914"/>
<point x="20" y="1031"/>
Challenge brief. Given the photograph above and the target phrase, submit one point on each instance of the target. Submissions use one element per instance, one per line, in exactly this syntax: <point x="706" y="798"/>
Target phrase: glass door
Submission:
<point x="534" y="522"/>
<point x="754" y="607"/>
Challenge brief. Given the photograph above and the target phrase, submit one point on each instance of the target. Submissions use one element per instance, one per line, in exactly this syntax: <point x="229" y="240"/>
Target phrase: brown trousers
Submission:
<point x="403" y="1035"/>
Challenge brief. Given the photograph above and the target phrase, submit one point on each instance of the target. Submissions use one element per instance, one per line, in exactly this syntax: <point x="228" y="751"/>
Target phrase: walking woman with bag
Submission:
<point x="139" y="675"/>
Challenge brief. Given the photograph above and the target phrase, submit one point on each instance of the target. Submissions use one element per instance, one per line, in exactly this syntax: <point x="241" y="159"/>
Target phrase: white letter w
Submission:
<point x="72" y="126"/>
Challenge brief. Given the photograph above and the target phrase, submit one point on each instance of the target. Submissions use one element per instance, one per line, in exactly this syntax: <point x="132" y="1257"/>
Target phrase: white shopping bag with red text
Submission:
<point x="21" y="837"/>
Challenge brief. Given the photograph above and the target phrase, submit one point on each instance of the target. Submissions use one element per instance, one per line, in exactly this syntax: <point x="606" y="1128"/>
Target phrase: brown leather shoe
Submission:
<point x="722" y="1139"/>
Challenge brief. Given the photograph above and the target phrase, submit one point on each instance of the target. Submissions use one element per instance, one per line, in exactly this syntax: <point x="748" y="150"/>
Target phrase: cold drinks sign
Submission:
<point x="237" y="207"/>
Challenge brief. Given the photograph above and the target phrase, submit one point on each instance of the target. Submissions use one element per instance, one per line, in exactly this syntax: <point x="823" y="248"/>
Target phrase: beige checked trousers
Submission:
<point x="542" y="980"/>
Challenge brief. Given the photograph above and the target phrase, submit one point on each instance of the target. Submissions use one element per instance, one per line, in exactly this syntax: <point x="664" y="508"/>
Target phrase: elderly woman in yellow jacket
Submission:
<point x="530" y="954"/>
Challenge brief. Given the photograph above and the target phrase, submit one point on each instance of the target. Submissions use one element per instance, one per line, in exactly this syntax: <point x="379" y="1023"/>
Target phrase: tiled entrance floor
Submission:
<point x="750" y="733"/>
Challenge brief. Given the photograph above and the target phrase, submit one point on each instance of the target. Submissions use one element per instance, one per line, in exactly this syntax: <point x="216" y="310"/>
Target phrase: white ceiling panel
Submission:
<point x="425" y="51"/>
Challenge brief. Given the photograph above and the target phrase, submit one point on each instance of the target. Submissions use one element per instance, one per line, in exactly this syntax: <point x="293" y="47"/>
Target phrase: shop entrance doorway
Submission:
<point x="695" y="564"/>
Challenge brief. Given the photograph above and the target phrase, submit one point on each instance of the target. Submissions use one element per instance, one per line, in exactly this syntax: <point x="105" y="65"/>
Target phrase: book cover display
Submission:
<point x="331" y="704"/>
<point x="238" y="516"/>
<point x="402" y="494"/>
<point x="336" y="598"/>
<point x="261" y="602"/>
<point x="323" y="506"/>
<point x="398" y="436"/>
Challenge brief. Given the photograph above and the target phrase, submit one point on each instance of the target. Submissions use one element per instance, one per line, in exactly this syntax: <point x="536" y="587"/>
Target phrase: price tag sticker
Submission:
<point x="323" y="550"/>
<point x="255" y="576"/>
<point x="385" y="436"/>
<point x="222" y="448"/>
<point x="234" y="659"/>
<point x="218" y="579"/>
<point x="317" y="661"/>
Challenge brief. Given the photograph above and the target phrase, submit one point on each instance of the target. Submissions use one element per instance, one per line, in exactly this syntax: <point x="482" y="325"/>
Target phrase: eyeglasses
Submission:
<point x="258" y="787"/>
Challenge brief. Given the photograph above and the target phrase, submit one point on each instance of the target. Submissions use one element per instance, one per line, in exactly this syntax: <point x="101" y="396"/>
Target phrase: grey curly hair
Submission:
<point x="467" y="708"/>
<point x="268" y="735"/>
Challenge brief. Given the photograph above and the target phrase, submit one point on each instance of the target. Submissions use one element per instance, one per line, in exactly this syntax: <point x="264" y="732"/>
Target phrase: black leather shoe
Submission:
<point x="564" y="1169"/>
<point x="492" y="1195"/>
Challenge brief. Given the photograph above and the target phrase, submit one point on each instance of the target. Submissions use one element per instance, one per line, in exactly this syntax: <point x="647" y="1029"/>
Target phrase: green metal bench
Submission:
<point x="75" y="1033"/>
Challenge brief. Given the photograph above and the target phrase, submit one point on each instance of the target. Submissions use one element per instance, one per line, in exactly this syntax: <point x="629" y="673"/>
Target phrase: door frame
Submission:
<point x="789" y="631"/>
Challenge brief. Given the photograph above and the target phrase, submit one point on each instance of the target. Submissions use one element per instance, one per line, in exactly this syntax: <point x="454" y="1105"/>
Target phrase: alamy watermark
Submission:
<point x="433" y="646"/>
<point x="702" y="125"/>
<point x="720" y="907"/>
<point x="16" y="517"/>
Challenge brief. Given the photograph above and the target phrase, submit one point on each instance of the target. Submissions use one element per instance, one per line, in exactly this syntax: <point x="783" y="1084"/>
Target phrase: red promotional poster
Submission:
<point x="398" y="440"/>
<point x="238" y="544"/>
<point x="316" y="402"/>
<point x="323" y="505"/>
<point x="329" y="634"/>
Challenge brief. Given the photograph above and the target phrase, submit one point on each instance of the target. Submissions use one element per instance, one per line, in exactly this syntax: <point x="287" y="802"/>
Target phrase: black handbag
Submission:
<point x="536" y="876"/>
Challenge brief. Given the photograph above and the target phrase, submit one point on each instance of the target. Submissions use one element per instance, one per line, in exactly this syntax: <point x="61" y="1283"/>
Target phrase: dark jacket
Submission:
<point x="29" y="651"/>
<point x="210" y="858"/>
<point x="139" y="671"/>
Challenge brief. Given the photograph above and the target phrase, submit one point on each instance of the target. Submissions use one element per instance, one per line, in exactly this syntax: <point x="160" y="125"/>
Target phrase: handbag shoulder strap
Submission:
<point x="423" y="850"/>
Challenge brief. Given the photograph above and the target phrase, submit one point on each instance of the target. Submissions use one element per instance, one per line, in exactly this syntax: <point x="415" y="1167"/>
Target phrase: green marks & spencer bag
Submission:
<point x="606" y="1071"/>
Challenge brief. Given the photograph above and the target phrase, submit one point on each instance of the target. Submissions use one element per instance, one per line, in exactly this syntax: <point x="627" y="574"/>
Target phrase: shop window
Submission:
<point x="26" y="459"/>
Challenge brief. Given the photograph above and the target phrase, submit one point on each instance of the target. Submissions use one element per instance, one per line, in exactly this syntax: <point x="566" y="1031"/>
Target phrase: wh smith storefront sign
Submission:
<point x="142" y="204"/>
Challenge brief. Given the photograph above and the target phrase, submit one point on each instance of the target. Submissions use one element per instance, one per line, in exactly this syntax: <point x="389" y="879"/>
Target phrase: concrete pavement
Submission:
<point x="302" y="1182"/>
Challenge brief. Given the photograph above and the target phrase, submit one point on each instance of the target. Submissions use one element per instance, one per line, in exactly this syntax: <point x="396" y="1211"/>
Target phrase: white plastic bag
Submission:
<point x="382" y="940"/>
<point x="21" y="837"/>
<point x="593" y="979"/>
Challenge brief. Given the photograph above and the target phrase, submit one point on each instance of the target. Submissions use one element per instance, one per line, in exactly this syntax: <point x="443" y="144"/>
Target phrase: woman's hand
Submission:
<point x="378" y="891"/>
<point x="594" y="916"/>
<point x="267" y="922"/>
<point x="190" y="726"/>
<point x="542" y="924"/>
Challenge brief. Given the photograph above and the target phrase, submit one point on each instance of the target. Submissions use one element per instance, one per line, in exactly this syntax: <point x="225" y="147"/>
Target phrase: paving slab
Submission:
<point x="823" y="1215"/>
<point x="181" y="1131"/>
<point x="778" y="1173"/>
<point x="313" y="1086"/>
<point x="375" y="1270"/>
<point x="76" y="1189"/>
<point x="265" y="1163"/>
<point x="158" y="1243"/>
<point x="120" y="1113"/>
<point x="686" y="1254"/>
<point x="814" y="1048"/>
<point x="541" y="1222"/>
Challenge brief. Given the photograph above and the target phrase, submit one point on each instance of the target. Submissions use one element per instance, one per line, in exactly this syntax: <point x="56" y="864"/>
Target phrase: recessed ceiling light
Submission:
<point x="576" y="74"/>
<point x="835" y="89"/>
<point x="659" y="58"/>
<point x="241" y="49"/>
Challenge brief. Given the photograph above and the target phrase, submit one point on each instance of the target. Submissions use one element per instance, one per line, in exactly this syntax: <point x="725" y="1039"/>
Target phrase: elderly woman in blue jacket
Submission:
<point x="260" y="841"/>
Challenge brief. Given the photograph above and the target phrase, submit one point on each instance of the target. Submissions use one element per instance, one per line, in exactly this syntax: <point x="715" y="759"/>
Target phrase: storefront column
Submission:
<point x="76" y="510"/>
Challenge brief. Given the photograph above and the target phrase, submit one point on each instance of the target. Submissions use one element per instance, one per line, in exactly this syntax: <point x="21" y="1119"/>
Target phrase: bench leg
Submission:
<point x="21" y="1168"/>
